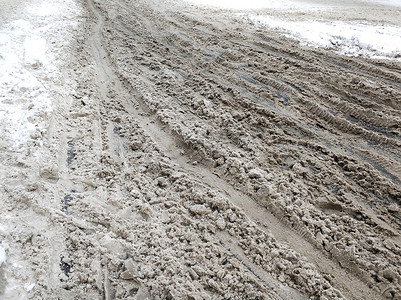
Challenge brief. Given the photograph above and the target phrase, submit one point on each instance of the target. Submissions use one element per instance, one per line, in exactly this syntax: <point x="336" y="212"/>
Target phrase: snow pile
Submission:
<point x="347" y="38"/>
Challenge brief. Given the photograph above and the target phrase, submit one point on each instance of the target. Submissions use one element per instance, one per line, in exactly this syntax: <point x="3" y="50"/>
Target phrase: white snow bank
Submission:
<point x="385" y="2"/>
<point x="376" y="41"/>
<point x="254" y="4"/>
<point x="277" y="4"/>
<point x="371" y="40"/>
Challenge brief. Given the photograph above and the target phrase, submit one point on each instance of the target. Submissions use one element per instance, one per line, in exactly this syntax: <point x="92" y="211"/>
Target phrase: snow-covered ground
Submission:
<point x="348" y="38"/>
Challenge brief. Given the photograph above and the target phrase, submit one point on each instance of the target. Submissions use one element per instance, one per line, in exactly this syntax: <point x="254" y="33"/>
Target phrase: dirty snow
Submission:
<point x="32" y="40"/>
<point x="149" y="179"/>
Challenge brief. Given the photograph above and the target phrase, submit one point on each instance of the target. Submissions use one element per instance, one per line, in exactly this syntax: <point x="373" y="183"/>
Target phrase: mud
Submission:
<point x="192" y="156"/>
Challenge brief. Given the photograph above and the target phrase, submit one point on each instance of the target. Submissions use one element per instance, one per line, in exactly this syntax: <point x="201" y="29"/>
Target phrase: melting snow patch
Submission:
<point x="278" y="4"/>
<point x="255" y="4"/>
<point x="385" y="2"/>
<point x="376" y="41"/>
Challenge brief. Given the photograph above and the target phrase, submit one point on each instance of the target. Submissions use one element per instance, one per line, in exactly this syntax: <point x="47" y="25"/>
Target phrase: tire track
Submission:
<point x="211" y="111"/>
<point x="155" y="130"/>
<point x="214" y="88"/>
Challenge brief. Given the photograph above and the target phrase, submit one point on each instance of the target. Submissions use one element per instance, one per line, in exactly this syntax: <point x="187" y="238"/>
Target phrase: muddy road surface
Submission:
<point x="196" y="156"/>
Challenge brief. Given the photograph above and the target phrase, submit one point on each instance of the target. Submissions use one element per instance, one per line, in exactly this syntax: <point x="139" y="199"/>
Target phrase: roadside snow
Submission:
<point x="376" y="41"/>
<point x="283" y="4"/>
<point x="347" y="38"/>
<point x="385" y="2"/>
<point x="27" y="65"/>
<point x="254" y="4"/>
<point x="24" y="101"/>
<point x="34" y="45"/>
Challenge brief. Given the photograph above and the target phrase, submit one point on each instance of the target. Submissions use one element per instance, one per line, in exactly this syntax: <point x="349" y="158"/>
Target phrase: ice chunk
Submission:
<point x="29" y="286"/>
<point x="3" y="256"/>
